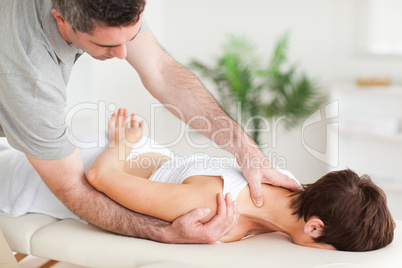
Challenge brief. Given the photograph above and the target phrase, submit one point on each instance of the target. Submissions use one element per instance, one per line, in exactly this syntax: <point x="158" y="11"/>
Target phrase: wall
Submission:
<point x="322" y="43"/>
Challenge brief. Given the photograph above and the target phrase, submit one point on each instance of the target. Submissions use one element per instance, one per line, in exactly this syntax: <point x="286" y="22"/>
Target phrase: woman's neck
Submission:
<point x="274" y="215"/>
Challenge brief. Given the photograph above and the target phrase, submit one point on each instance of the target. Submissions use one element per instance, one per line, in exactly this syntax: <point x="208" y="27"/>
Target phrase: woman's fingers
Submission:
<point x="119" y="120"/>
<point x="112" y="120"/>
<point x="119" y="115"/>
<point x="142" y="126"/>
<point x="133" y="121"/>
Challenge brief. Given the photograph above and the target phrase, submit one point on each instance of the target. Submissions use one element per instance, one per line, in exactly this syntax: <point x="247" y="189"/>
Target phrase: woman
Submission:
<point x="340" y="211"/>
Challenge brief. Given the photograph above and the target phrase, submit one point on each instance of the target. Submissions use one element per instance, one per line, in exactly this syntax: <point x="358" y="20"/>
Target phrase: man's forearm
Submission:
<point x="192" y="100"/>
<point x="66" y="179"/>
<point x="185" y="96"/>
<point x="107" y="214"/>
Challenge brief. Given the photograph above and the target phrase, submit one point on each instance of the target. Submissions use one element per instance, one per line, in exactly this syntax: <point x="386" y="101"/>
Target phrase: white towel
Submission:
<point x="23" y="191"/>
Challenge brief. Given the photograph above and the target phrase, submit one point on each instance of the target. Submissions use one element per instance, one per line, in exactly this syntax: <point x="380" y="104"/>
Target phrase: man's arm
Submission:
<point x="172" y="84"/>
<point x="66" y="179"/>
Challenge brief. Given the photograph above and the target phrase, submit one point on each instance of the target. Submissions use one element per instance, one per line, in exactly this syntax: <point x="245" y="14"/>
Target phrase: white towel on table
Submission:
<point x="23" y="191"/>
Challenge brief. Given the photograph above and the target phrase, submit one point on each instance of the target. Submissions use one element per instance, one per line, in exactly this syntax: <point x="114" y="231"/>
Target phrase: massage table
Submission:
<point x="75" y="242"/>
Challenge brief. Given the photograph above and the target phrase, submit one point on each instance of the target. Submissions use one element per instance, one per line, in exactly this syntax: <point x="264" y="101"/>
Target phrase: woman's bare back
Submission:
<point x="207" y="188"/>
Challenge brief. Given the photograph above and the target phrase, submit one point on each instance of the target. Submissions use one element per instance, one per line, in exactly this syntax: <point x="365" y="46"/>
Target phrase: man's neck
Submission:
<point x="63" y="33"/>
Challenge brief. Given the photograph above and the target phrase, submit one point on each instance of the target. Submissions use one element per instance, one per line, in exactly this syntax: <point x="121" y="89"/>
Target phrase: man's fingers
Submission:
<point x="294" y="185"/>
<point x="229" y="206"/>
<point x="282" y="180"/>
<point x="232" y="211"/>
<point x="256" y="192"/>
<point x="221" y="210"/>
<point x="290" y="184"/>
<point x="193" y="231"/>
<point x="196" y="215"/>
<point x="227" y="215"/>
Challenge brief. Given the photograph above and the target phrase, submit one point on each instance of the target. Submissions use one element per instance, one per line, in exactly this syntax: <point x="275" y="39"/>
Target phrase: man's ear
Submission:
<point x="59" y="18"/>
<point x="62" y="25"/>
<point x="314" y="227"/>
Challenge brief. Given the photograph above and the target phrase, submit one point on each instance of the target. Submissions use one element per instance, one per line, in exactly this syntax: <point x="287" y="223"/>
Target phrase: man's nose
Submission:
<point x="119" y="52"/>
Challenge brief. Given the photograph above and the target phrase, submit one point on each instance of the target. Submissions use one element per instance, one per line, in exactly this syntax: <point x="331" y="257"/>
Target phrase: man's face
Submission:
<point x="105" y="42"/>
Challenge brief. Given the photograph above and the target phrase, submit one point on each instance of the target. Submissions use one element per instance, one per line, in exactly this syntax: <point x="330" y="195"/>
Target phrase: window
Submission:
<point x="379" y="27"/>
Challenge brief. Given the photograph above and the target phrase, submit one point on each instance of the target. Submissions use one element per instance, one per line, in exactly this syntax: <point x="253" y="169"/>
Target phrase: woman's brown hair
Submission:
<point x="354" y="211"/>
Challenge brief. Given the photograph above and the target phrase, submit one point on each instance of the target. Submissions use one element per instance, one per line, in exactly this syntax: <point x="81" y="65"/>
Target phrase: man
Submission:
<point x="41" y="40"/>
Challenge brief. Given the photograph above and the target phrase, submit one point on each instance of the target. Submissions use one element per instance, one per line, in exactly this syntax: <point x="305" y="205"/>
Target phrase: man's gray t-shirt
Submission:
<point x="35" y="66"/>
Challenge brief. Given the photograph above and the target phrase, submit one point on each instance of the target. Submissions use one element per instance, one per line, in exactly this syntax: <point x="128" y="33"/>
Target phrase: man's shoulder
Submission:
<point x="27" y="50"/>
<point x="22" y="10"/>
<point x="24" y="37"/>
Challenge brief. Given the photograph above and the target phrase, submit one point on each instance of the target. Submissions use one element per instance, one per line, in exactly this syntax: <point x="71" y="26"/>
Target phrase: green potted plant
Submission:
<point x="268" y="92"/>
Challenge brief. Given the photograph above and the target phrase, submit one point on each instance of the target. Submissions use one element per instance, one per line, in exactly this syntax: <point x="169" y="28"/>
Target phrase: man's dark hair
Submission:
<point x="84" y="15"/>
<point x="354" y="211"/>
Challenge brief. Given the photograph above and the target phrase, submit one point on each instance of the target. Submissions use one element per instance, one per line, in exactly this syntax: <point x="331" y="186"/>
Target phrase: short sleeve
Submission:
<point x="32" y="117"/>
<point x="144" y="25"/>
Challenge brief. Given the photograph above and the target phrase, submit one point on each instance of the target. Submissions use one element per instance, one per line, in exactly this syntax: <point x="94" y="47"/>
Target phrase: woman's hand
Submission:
<point x="124" y="130"/>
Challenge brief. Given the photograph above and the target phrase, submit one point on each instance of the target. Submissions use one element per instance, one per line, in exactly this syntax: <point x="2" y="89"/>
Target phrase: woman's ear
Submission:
<point x="314" y="227"/>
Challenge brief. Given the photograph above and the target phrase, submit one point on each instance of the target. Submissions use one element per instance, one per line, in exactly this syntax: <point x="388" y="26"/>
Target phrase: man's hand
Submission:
<point x="188" y="228"/>
<point x="258" y="173"/>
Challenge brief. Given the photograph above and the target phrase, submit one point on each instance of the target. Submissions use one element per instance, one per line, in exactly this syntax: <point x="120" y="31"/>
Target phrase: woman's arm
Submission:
<point x="162" y="200"/>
